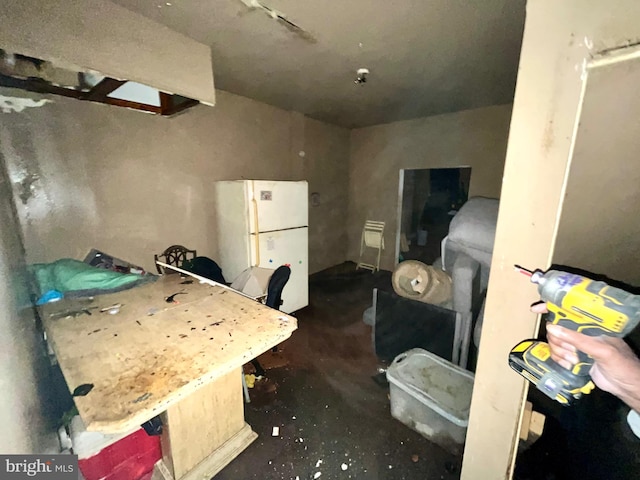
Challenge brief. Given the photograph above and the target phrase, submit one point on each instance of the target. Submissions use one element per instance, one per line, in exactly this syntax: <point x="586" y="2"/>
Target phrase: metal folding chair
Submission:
<point x="372" y="238"/>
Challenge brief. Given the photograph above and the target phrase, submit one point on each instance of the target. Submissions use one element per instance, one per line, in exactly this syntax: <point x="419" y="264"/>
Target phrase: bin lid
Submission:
<point x="436" y="382"/>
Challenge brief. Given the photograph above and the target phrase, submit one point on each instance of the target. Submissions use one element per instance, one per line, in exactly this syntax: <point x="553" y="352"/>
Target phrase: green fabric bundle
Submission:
<point x="77" y="279"/>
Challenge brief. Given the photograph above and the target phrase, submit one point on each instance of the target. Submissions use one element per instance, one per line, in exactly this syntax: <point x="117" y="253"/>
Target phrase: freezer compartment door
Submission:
<point x="273" y="249"/>
<point x="279" y="205"/>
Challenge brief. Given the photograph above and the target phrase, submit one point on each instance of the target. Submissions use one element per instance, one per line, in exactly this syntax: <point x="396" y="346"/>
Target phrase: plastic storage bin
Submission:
<point x="431" y="396"/>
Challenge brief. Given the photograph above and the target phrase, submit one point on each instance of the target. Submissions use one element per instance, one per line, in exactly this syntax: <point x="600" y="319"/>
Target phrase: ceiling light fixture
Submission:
<point x="361" y="76"/>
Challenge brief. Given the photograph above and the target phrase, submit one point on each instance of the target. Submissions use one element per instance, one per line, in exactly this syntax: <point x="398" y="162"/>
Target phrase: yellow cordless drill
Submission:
<point x="577" y="303"/>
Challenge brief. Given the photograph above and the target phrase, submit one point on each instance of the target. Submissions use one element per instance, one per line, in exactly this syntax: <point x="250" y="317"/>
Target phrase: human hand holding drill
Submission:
<point x="616" y="369"/>
<point x="573" y="363"/>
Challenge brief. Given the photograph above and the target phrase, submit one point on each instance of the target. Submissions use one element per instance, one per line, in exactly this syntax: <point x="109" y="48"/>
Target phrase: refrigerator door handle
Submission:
<point x="255" y="222"/>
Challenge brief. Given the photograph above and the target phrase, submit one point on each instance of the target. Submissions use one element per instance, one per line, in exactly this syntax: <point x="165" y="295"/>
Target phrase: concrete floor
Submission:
<point x="334" y="419"/>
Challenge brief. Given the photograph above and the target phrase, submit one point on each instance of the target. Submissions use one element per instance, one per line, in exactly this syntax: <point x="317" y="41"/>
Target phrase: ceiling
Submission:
<point x="425" y="57"/>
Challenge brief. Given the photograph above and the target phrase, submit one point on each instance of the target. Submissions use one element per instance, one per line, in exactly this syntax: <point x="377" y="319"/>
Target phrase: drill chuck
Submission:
<point x="538" y="277"/>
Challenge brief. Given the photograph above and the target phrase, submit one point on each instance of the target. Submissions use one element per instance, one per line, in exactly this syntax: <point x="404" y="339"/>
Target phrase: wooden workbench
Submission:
<point x="182" y="360"/>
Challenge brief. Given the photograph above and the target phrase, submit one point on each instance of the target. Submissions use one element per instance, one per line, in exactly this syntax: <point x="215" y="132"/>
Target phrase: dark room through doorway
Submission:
<point x="429" y="199"/>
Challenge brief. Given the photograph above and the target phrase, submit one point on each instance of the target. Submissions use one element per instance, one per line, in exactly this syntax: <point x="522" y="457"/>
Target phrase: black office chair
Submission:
<point x="278" y="280"/>
<point x="205" y="267"/>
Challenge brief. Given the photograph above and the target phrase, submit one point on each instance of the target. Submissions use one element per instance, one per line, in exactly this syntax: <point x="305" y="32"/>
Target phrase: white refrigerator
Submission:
<point x="264" y="223"/>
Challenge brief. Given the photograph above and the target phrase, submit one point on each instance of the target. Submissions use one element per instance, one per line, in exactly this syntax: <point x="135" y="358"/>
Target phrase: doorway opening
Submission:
<point x="428" y="200"/>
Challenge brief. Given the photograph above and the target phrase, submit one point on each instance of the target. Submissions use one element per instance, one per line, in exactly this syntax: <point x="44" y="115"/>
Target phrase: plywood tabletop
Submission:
<point x="153" y="353"/>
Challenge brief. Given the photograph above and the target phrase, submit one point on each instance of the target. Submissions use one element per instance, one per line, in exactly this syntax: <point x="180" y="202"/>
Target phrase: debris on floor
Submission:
<point x="334" y="421"/>
<point x="250" y="380"/>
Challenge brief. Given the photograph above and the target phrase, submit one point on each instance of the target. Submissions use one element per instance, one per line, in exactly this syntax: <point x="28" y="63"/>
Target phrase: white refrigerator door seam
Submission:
<point x="255" y="220"/>
<point x="280" y="230"/>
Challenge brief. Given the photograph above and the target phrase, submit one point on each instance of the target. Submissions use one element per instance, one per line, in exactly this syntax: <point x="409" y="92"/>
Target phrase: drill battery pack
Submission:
<point x="532" y="359"/>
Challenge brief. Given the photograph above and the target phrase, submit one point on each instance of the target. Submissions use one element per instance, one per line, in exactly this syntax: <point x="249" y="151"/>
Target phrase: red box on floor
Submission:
<point x="129" y="457"/>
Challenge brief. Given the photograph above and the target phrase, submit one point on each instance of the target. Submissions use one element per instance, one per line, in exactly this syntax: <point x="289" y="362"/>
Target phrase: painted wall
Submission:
<point x="475" y="138"/>
<point x="27" y="422"/>
<point x="326" y="165"/>
<point x="598" y="229"/>
<point x="559" y="39"/>
<point x="89" y="175"/>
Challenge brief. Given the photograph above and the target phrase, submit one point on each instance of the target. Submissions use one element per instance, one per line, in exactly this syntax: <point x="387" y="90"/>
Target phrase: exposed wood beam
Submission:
<point x="166" y="102"/>
<point x="38" y="86"/>
<point x="98" y="94"/>
<point x="102" y="89"/>
<point x="135" y="105"/>
<point x="180" y="107"/>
